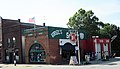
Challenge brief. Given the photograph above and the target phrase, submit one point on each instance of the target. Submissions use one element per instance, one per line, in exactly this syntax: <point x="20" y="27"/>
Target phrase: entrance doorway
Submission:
<point x="11" y="57"/>
<point x="37" y="54"/>
<point x="68" y="50"/>
<point x="98" y="51"/>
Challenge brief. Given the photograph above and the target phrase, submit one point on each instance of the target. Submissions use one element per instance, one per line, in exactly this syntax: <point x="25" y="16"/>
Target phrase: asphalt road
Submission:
<point x="112" y="64"/>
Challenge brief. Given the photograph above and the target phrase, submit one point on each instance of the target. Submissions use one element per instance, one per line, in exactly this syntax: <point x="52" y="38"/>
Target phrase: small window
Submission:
<point x="8" y="42"/>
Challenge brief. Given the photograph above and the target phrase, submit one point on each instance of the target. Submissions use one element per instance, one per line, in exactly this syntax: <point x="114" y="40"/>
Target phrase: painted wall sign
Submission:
<point x="56" y="32"/>
<point x="63" y="33"/>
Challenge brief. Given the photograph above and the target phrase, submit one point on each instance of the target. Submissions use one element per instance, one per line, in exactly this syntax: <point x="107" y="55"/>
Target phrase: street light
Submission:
<point x="14" y="51"/>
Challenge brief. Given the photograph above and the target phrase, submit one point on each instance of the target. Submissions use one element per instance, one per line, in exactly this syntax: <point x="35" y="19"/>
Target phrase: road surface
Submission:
<point x="112" y="64"/>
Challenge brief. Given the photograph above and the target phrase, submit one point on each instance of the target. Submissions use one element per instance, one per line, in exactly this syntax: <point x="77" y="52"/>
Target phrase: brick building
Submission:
<point x="12" y="40"/>
<point x="50" y="45"/>
<point x="30" y="43"/>
<point x="35" y="44"/>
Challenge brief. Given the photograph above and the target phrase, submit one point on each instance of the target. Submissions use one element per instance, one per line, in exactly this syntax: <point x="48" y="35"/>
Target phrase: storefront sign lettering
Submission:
<point x="63" y="33"/>
<point x="55" y="33"/>
<point x="67" y="35"/>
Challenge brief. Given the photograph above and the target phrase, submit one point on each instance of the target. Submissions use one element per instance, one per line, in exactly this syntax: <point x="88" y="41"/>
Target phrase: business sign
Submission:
<point x="57" y="33"/>
<point x="82" y="35"/>
<point x="73" y="37"/>
<point x="63" y="33"/>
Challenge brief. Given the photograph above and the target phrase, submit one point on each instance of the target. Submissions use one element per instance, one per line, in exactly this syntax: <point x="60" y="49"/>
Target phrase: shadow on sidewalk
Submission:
<point x="108" y="62"/>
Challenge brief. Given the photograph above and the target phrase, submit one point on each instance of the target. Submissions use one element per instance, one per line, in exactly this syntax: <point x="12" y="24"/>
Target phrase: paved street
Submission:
<point x="114" y="63"/>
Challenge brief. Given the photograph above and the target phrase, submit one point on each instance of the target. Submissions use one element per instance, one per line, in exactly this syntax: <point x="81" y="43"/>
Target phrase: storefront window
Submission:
<point x="6" y="55"/>
<point x="37" y="53"/>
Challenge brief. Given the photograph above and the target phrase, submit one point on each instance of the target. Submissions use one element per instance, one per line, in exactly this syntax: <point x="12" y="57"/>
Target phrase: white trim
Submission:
<point x="63" y="41"/>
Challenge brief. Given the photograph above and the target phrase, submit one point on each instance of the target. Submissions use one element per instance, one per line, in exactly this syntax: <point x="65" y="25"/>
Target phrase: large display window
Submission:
<point x="37" y="53"/>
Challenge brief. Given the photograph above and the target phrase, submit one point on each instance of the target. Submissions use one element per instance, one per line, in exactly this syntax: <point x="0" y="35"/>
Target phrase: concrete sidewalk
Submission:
<point x="111" y="60"/>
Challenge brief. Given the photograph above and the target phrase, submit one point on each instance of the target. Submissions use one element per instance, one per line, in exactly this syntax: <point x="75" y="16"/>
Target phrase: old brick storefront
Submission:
<point x="40" y="49"/>
<point x="12" y="40"/>
<point x="11" y="29"/>
<point x="50" y="45"/>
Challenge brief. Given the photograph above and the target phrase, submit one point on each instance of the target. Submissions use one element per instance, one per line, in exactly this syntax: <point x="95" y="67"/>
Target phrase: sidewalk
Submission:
<point x="111" y="60"/>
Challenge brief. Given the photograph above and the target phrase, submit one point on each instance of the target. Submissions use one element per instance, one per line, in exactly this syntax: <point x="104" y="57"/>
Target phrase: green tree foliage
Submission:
<point x="115" y="44"/>
<point x="108" y="30"/>
<point x="88" y="21"/>
<point x="84" y="19"/>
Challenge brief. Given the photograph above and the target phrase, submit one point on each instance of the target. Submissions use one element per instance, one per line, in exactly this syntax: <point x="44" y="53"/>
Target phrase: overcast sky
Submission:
<point x="57" y="12"/>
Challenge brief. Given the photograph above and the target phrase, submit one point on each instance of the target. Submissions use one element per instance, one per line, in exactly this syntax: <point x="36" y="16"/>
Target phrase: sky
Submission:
<point x="57" y="12"/>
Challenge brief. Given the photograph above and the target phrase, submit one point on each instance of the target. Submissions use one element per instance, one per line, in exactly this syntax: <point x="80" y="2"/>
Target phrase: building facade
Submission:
<point x="30" y="43"/>
<point x="12" y="40"/>
<point x="50" y="45"/>
<point x="101" y="47"/>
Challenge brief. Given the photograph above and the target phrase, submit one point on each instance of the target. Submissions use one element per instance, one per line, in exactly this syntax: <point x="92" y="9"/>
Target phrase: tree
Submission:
<point x="100" y="25"/>
<point x="84" y="19"/>
<point x="115" y="44"/>
<point x="108" y="30"/>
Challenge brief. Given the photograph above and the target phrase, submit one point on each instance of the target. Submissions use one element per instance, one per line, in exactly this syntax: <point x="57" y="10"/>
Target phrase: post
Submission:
<point x="14" y="52"/>
<point x="96" y="48"/>
<point x="14" y="59"/>
<point x="78" y="47"/>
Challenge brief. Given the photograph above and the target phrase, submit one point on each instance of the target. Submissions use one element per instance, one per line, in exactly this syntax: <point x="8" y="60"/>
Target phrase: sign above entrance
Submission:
<point x="63" y="33"/>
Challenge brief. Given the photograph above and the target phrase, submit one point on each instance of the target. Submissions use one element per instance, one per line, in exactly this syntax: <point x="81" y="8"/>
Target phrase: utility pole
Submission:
<point x="78" y="43"/>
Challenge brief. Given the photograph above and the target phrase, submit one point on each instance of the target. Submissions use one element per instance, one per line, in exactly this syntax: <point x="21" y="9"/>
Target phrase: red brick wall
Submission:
<point x="54" y="49"/>
<point x="10" y="29"/>
<point x="51" y="47"/>
<point x="42" y="40"/>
